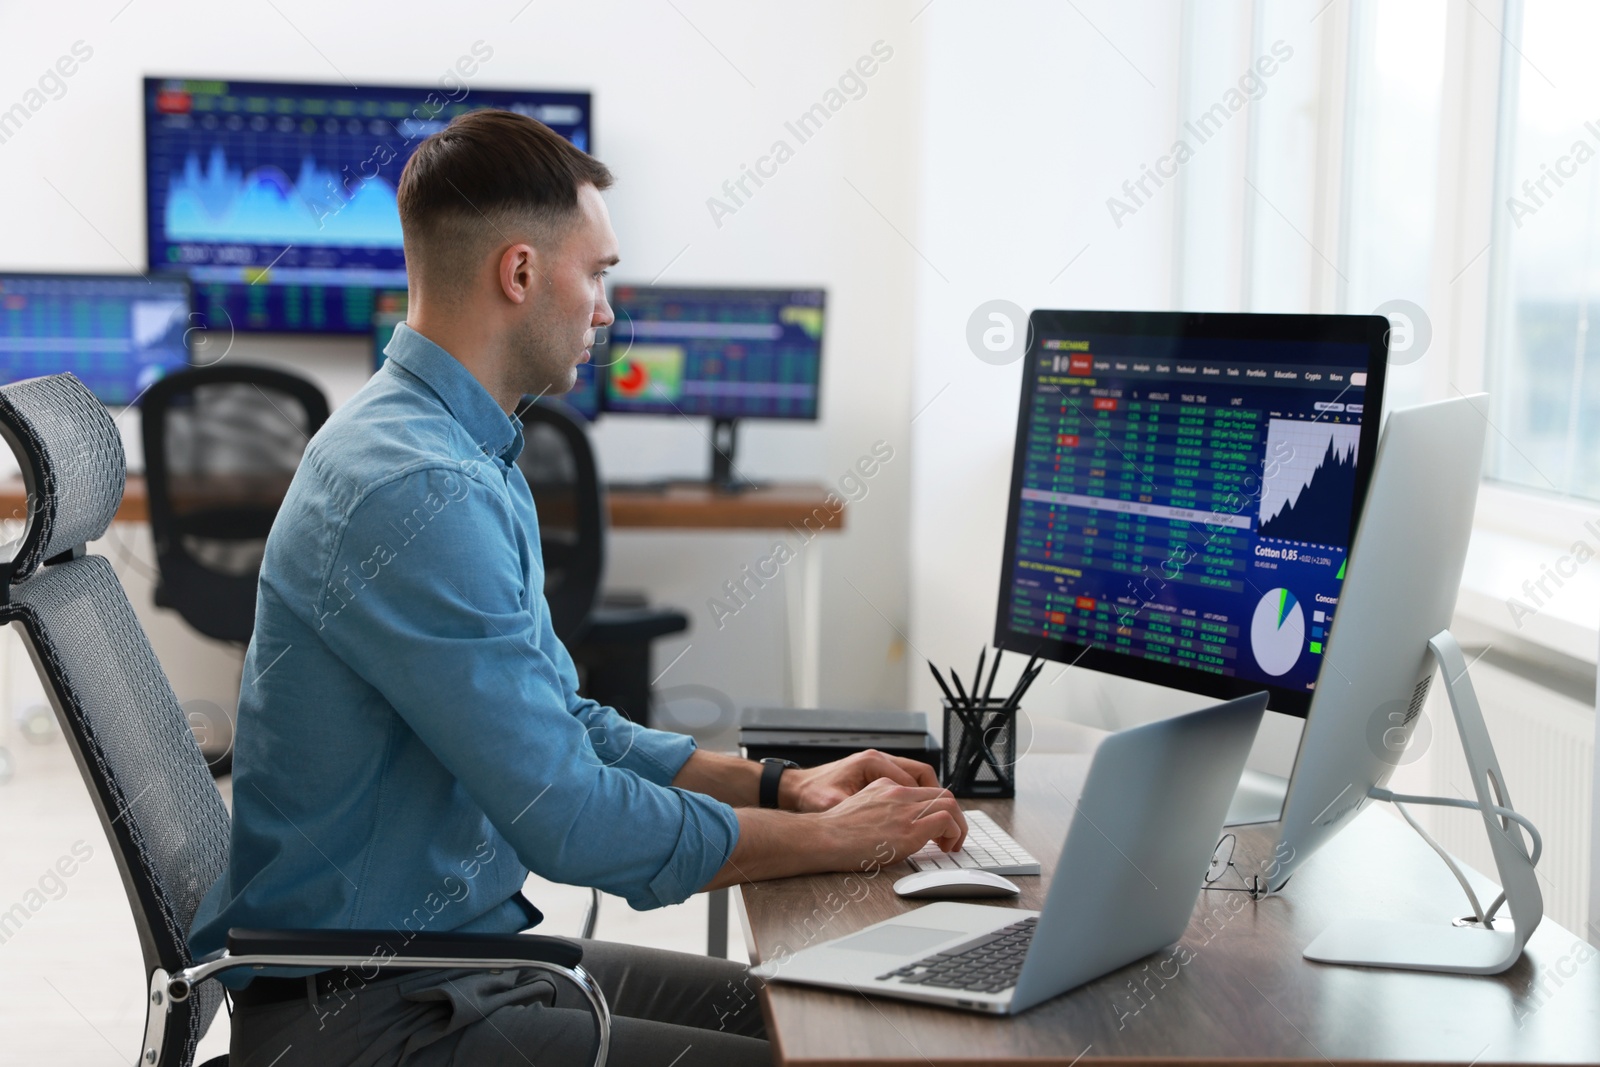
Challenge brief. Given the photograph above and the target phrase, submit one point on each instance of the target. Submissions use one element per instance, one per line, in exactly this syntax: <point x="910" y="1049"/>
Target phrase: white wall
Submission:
<point x="683" y="96"/>
<point x="1033" y="117"/>
<point x="1073" y="102"/>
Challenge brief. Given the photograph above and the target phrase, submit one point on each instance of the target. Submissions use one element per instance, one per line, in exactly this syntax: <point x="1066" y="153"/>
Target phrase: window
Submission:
<point x="1396" y="71"/>
<point x="1545" y="271"/>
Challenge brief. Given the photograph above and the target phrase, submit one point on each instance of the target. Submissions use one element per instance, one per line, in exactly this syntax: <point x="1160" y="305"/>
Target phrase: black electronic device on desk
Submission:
<point x="809" y="737"/>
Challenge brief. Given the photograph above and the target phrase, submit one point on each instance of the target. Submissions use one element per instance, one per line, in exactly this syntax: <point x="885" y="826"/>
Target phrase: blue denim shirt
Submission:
<point x="410" y="741"/>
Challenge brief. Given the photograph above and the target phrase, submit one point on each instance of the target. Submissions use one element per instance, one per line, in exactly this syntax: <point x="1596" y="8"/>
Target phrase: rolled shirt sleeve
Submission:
<point x="425" y="599"/>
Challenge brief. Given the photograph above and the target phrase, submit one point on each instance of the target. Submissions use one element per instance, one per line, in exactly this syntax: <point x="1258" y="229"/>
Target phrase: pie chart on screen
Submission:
<point x="1278" y="632"/>
<point x="649" y="373"/>
<point x="630" y="379"/>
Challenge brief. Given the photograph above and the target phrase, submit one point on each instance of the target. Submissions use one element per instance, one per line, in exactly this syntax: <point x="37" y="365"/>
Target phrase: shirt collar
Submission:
<point x="495" y="432"/>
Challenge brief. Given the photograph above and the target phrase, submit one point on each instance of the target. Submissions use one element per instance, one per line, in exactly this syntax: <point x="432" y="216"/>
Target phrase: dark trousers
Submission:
<point x="668" y="1009"/>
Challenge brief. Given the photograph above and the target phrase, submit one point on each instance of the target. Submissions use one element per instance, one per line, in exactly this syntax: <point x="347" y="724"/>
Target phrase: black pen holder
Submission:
<point x="980" y="749"/>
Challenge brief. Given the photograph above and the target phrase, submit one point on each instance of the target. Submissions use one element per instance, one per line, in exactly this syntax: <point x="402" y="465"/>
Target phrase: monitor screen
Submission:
<point x="278" y="199"/>
<point x="1184" y="492"/>
<point x="727" y="353"/>
<point x="117" y="333"/>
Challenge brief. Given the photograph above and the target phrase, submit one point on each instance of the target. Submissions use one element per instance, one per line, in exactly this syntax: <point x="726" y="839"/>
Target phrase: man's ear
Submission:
<point x="519" y="272"/>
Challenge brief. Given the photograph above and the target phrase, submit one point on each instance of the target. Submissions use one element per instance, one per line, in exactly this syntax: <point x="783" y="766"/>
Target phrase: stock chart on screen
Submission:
<point x="727" y="353"/>
<point x="117" y="333"/>
<point x="278" y="199"/>
<point x="1186" y="503"/>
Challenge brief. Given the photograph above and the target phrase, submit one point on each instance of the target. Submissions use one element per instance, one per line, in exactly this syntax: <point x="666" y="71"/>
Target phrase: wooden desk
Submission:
<point x="678" y="507"/>
<point x="1234" y="989"/>
<point x="798" y="511"/>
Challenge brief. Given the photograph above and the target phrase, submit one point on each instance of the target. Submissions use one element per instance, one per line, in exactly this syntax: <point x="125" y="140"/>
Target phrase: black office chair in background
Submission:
<point x="609" y="636"/>
<point x="221" y="444"/>
<point x="163" y="817"/>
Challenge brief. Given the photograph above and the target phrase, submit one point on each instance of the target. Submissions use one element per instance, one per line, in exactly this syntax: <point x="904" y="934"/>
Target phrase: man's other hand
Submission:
<point x="820" y="788"/>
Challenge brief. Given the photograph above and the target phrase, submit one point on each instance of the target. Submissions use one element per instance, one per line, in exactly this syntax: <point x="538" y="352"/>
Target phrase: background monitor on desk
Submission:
<point x="727" y="353"/>
<point x="117" y="333"/>
<point x="279" y="198"/>
<point x="1184" y="493"/>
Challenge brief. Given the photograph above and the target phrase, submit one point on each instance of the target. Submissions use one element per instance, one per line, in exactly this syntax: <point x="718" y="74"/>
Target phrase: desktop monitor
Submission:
<point x="1184" y="492"/>
<point x="725" y="353"/>
<point x="1405" y="570"/>
<point x="278" y="199"/>
<point x="116" y="332"/>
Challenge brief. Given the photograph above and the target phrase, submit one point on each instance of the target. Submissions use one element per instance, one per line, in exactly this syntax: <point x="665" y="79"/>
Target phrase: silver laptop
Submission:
<point x="1141" y="837"/>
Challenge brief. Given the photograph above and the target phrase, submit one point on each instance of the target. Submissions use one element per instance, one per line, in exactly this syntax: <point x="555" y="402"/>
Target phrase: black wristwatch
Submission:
<point x="772" y="769"/>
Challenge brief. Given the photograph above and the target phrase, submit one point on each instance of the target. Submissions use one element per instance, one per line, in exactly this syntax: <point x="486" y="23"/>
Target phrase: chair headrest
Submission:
<point x="72" y="465"/>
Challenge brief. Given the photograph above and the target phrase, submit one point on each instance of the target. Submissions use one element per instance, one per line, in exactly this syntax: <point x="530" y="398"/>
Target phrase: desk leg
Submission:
<point x="717" y="933"/>
<point x="803" y="594"/>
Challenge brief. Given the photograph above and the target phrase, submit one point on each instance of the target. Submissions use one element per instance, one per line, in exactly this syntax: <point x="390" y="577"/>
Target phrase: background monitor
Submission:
<point x="278" y="199"/>
<point x="726" y="353"/>
<point x="1184" y="493"/>
<point x="117" y="333"/>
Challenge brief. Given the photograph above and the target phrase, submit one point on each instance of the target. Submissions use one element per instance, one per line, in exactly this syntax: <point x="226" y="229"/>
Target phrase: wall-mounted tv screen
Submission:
<point x="278" y="199"/>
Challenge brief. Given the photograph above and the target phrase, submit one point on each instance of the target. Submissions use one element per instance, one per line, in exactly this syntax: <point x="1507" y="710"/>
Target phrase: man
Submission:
<point x="411" y="742"/>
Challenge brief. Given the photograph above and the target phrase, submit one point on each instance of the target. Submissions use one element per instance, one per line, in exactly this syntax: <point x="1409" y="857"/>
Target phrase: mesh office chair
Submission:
<point x="162" y="815"/>
<point x="609" y="638"/>
<point x="221" y="444"/>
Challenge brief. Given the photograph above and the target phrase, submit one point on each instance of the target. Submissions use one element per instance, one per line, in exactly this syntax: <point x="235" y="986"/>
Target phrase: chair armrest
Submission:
<point x="356" y="948"/>
<point x="627" y="626"/>
<point x="366" y="944"/>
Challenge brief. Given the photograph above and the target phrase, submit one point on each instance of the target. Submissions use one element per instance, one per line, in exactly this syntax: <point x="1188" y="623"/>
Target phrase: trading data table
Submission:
<point x="1183" y="506"/>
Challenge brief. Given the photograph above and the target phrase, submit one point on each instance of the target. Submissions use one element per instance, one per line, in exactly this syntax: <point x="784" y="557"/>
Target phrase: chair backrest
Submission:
<point x="221" y="445"/>
<point x="162" y="814"/>
<point x="558" y="462"/>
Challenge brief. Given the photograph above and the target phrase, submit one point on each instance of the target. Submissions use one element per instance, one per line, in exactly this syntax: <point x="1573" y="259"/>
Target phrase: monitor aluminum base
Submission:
<point x="1259" y="799"/>
<point x="1445" y="946"/>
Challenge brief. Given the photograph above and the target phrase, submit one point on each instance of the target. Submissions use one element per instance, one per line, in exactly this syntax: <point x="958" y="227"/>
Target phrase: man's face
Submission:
<point x="560" y="324"/>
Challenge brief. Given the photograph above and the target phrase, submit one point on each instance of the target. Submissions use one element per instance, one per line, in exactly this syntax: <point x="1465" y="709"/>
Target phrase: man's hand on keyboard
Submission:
<point x="902" y="817"/>
<point x="820" y="788"/>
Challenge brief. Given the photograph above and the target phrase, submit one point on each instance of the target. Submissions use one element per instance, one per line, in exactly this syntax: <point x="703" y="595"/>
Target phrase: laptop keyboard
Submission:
<point x="987" y="964"/>
<point x="987" y="848"/>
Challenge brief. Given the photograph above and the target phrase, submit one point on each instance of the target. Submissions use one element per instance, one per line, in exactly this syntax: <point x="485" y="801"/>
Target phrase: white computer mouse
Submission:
<point x="960" y="882"/>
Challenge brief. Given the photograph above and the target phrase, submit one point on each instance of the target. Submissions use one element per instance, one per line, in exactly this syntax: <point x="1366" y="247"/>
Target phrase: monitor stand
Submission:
<point x="1258" y="799"/>
<point x="1454" y="948"/>
<point x="724" y="439"/>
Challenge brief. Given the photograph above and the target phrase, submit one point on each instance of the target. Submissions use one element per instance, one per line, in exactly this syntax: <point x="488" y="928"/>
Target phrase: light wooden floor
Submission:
<point x="71" y="980"/>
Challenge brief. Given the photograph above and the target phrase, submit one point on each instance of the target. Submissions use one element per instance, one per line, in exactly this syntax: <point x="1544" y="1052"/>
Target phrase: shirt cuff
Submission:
<point x="705" y="844"/>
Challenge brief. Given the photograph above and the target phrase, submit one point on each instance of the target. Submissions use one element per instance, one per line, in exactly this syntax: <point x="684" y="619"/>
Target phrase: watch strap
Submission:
<point x="771" y="771"/>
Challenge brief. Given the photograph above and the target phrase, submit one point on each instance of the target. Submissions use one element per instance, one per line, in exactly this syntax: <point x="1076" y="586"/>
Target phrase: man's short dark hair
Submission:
<point x="489" y="175"/>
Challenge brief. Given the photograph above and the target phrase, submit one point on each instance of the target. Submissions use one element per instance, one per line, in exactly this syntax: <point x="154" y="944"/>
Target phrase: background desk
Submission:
<point x="785" y="507"/>
<point x="1245" y="992"/>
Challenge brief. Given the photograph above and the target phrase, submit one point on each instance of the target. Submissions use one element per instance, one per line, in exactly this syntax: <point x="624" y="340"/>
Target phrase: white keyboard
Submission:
<point x="987" y="848"/>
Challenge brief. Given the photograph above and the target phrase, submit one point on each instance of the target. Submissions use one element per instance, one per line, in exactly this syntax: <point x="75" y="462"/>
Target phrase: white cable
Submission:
<point x="1472" y="805"/>
<point x="1466" y="887"/>
<point x="1399" y="800"/>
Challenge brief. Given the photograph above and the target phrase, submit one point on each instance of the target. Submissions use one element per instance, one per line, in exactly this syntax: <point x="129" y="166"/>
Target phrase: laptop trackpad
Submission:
<point x="896" y="940"/>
